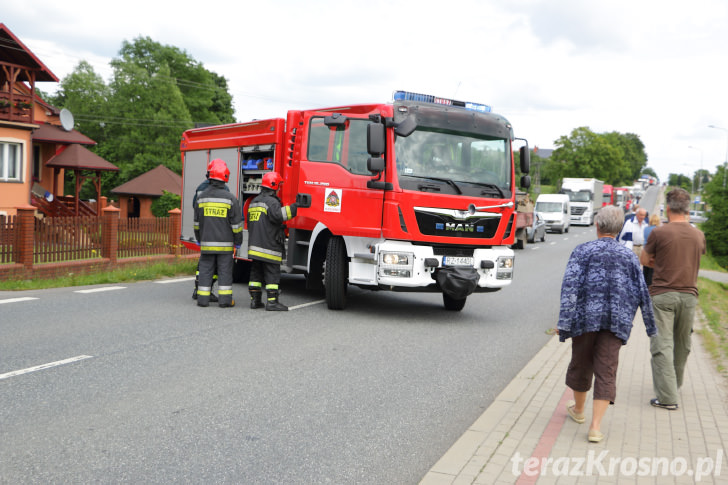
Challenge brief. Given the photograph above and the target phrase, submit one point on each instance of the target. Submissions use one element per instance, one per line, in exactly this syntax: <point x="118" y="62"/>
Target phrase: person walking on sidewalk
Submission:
<point x="646" y="270"/>
<point x="600" y="293"/>
<point x="673" y="250"/>
<point x="632" y="234"/>
<point x="218" y="227"/>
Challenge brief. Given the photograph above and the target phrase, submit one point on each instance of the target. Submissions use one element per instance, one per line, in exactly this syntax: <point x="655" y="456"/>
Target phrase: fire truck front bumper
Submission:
<point x="403" y="266"/>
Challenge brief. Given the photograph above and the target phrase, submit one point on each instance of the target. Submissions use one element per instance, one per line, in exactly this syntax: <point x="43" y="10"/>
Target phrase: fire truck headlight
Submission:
<point x="505" y="268"/>
<point x="396" y="264"/>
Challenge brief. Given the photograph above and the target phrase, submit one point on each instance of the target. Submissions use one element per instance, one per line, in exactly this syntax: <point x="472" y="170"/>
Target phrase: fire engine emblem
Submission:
<point x="332" y="201"/>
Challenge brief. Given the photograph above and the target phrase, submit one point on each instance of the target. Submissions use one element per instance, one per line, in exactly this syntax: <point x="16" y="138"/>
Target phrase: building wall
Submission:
<point x="13" y="194"/>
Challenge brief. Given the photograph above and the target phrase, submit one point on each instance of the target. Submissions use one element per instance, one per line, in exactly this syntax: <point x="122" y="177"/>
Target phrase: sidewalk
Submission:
<point x="642" y="445"/>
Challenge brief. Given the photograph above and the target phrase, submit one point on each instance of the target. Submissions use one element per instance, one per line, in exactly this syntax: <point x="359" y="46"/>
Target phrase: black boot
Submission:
<point x="197" y="282"/>
<point x="256" y="295"/>
<point x="273" y="305"/>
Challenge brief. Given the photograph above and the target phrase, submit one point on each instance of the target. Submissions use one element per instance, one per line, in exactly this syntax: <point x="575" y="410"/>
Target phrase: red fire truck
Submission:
<point x="413" y="195"/>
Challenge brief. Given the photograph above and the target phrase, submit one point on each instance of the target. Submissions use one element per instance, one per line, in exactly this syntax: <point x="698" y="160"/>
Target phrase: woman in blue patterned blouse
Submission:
<point x="602" y="288"/>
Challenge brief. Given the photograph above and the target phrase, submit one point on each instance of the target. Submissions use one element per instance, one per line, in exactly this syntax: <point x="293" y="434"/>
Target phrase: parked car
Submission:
<point x="697" y="217"/>
<point x="537" y="230"/>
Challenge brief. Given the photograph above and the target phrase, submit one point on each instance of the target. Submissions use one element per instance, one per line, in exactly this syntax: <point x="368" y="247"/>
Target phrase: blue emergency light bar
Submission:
<point x="426" y="98"/>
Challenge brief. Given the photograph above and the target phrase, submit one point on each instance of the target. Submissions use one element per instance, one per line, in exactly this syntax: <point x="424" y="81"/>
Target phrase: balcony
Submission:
<point x="16" y="107"/>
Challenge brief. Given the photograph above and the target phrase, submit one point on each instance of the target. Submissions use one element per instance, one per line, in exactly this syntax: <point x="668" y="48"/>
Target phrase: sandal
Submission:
<point x="595" y="436"/>
<point x="570" y="408"/>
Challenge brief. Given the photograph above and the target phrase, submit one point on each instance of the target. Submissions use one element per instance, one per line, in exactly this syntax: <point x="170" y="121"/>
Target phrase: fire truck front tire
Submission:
<point x="336" y="277"/>
<point x="453" y="304"/>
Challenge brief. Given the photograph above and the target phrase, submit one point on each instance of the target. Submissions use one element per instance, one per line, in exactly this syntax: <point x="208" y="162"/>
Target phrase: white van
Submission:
<point x="555" y="209"/>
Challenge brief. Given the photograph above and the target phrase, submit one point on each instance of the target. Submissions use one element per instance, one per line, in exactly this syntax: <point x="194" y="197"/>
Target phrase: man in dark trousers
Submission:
<point x="200" y="189"/>
<point x="266" y="216"/>
<point x="219" y="229"/>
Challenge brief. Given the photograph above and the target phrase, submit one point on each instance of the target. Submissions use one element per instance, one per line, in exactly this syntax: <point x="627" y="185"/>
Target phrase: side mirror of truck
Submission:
<point x="525" y="159"/>
<point x="525" y="181"/>
<point x="375" y="164"/>
<point x="405" y="127"/>
<point x="375" y="139"/>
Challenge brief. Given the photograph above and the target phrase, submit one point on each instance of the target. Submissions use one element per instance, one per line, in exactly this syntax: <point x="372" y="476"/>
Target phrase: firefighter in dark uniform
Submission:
<point x="201" y="188"/>
<point x="218" y="229"/>
<point x="266" y="239"/>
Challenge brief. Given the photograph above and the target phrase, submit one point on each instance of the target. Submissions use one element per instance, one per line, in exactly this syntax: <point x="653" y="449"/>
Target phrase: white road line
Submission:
<point x="303" y="305"/>
<point x="44" y="366"/>
<point x="15" y="300"/>
<point x="106" y="288"/>
<point x="176" y="280"/>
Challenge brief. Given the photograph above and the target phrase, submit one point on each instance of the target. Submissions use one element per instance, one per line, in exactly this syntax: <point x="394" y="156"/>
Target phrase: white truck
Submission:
<point x="585" y="195"/>
<point x="555" y="210"/>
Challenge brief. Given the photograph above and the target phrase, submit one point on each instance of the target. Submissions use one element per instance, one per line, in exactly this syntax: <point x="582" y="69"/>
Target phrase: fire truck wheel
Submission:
<point x="336" y="274"/>
<point x="453" y="304"/>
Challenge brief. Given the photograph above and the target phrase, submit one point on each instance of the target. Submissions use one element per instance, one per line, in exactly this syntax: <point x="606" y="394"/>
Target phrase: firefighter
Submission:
<point x="201" y="188"/>
<point x="219" y="229"/>
<point x="266" y="240"/>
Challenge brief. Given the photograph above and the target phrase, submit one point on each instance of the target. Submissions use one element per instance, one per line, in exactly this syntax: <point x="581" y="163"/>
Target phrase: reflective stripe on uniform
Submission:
<point x="286" y="213"/>
<point x="225" y="290"/>
<point x="219" y="249"/>
<point x="255" y="284"/>
<point x="265" y="253"/>
<point x="271" y="287"/>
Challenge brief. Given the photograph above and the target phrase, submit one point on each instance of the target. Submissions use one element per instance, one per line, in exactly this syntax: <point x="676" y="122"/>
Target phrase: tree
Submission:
<point x="716" y="227"/>
<point x="152" y="116"/>
<point x="156" y="92"/>
<point x="205" y="93"/>
<point x="633" y="154"/>
<point x="588" y="154"/>
<point x="680" y="180"/>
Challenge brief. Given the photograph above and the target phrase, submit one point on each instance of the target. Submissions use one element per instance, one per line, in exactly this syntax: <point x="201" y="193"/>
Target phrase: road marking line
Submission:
<point x="176" y="280"/>
<point x="106" y="288"/>
<point x="44" y="366"/>
<point x="15" y="300"/>
<point x="303" y="305"/>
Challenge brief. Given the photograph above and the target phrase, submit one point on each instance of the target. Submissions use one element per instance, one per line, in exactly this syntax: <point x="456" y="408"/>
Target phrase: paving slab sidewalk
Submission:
<point x="526" y="437"/>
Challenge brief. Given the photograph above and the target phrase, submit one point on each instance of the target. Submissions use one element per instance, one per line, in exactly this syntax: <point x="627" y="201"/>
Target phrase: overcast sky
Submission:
<point x="656" y="68"/>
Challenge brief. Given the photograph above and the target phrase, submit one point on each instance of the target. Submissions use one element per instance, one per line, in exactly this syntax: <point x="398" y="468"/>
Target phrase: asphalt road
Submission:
<point x="162" y="391"/>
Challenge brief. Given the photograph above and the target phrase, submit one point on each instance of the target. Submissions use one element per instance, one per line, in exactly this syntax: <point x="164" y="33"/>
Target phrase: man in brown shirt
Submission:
<point x="674" y="251"/>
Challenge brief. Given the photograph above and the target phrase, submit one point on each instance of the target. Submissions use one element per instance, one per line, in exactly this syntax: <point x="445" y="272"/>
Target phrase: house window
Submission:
<point x="11" y="162"/>
<point x="36" y="163"/>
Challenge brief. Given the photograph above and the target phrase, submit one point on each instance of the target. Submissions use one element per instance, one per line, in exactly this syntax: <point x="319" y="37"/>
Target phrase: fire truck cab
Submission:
<point x="413" y="195"/>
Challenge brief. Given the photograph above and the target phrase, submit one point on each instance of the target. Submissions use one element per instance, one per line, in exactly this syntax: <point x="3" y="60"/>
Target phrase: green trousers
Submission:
<point x="674" y="314"/>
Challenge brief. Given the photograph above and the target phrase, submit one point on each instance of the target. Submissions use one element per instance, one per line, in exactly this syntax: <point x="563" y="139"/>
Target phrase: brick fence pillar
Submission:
<point x="25" y="234"/>
<point x="109" y="233"/>
<point x="175" y="229"/>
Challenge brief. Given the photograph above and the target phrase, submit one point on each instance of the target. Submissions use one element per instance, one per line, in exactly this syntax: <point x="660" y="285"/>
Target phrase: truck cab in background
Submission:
<point x="585" y="195"/>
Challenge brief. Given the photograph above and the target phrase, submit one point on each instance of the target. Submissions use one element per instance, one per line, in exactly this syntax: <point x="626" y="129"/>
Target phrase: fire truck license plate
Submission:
<point x="457" y="261"/>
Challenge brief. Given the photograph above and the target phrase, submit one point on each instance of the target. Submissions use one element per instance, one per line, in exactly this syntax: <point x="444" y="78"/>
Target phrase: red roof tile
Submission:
<point x="80" y="158"/>
<point x="152" y="183"/>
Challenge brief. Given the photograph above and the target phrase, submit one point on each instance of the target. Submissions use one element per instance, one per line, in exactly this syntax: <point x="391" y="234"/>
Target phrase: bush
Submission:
<point x="716" y="227"/>
<point x="164" y="204"/>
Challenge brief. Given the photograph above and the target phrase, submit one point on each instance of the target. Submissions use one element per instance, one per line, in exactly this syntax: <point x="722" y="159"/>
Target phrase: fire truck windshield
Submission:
<point x="457" y="163"/>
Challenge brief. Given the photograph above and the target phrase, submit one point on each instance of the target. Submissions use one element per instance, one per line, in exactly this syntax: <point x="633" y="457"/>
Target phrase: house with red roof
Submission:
<point x="38" y="143"/>
<point x="136" y="196"/>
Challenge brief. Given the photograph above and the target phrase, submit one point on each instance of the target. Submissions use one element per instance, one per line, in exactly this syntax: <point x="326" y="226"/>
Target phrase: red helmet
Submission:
<point x="219" y="170"/>
<point x="272" y="180"/>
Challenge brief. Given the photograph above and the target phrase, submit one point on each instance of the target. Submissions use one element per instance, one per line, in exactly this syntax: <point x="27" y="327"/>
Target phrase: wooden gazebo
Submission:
<point x="81" y="161"/>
